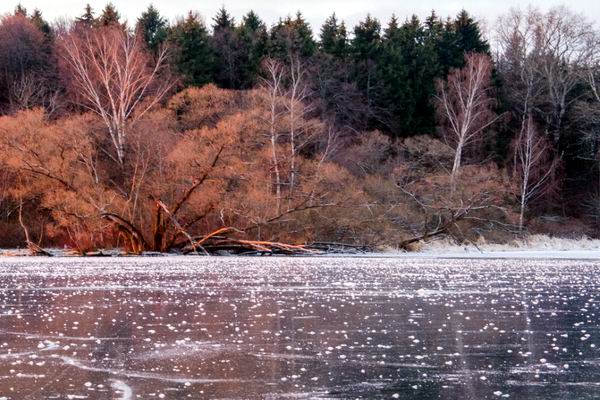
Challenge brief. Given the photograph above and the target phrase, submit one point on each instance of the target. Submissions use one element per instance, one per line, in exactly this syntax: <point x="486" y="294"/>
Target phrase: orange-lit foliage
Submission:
<point x="205" y="161"/>
<point x="190" y="170"/>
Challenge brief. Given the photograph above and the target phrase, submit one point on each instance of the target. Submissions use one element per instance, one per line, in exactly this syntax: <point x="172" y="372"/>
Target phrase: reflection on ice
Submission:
<point x="298" y="328"/>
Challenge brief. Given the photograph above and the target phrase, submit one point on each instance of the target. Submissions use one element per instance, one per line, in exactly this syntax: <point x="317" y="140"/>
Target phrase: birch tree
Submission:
<point x="534" y="165"/>
<point x="112" y="75"/>
<point x="273" y="83"/>
<point x="464" y="106"/>
<point x="543" y="60"/>
<point x="565" y="43"/>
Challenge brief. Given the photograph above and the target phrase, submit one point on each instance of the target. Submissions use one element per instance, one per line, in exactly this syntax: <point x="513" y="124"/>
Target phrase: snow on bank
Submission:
<point x="534" y="246"/>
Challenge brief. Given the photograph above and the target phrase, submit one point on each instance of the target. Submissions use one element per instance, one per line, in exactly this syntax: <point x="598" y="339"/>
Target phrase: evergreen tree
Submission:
<point x="253" y="38"/>
<point x="366" y="44"/>
<point x="434" y="25"/>
<point x="408" y="70"/>
<point x="20" y="10"/>
<point x="366" y="50"/>
<point x="194" y="58"/>
<point x="223" y="20"/>
<point x="446" y="45"/>
<point x="339" y="100"/>
<point x="87" y="19"/>
<point x="459" y="37"/>
<point x="468" y="35"/>
<point x="392" y="28"/>
<point x="343" y="43"/>
<point x="110" y="16"/>
<point x="226" y="47"/>
<point x="292" y="38"/>
<point x="153" y="28"/>
<point x="43" y="25"/>
<point x="334" y="38"/>
<point x="329" y="34"/>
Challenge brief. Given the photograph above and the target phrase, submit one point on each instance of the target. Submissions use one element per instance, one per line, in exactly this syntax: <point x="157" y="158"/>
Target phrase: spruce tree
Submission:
<point x="334" y="38"/>
<point x="109" y="16"/>
<point x="153" y="29"/>
<point x="366" y="50"/>
<point x="20" y="10"/>
<point x="87" y="19"/>
<point x="253" y="38"/>
<point x="292" y="38"/>
<point x="392" y="28"/>
<point x="226" y="47"/>
<point x="460" y="36"/>
<point x="433" y="25"/>
<point x="468" y="34"/>
<point x="223" y="20"/>
<point x="408" y="70"/>
<point x="43" y="25"/>
<point x="193" y="55"/>
<point x="366" y="43"/>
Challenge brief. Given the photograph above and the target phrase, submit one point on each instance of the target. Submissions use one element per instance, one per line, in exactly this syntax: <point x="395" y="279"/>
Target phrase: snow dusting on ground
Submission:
<point x="535" y="246"/>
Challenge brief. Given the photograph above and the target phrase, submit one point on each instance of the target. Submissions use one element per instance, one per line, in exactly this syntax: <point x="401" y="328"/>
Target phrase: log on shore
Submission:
<point x="217" y="245"/>
<point x="341" y="248"/>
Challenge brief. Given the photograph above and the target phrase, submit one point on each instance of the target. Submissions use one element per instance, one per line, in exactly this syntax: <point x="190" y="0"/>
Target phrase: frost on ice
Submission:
<point x="302" y="328"/>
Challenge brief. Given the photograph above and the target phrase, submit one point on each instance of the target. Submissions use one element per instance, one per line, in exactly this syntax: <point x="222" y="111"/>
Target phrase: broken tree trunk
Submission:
<point x="194" y="245"/>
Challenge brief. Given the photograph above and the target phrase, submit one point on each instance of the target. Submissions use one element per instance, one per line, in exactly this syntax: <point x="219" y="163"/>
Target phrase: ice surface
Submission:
<point x="196" y="327"/>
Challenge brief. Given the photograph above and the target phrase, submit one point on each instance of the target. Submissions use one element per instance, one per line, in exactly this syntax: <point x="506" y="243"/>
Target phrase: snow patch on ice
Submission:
<point x="125" y="389"/>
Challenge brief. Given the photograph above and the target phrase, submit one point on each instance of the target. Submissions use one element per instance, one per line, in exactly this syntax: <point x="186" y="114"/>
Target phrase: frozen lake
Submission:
<point x="271" y="328"/>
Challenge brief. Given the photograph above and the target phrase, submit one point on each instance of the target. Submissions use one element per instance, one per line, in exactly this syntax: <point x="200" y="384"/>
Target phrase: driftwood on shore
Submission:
<point x="224" y="245"/>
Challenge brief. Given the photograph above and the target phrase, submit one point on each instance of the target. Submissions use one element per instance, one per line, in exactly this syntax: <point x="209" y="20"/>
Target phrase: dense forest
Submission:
<point x="225" y="135"/>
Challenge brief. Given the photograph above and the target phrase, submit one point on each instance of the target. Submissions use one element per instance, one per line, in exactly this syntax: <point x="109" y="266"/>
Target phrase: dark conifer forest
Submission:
<point x="209" y="134"/>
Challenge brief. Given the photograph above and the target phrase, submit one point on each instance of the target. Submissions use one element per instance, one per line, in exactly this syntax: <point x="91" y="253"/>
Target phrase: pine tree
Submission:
<point x="366" y="43"/>
<point x="407" y="70"/>
<point x="110" y="16"/>
<point x="226" y="47"/>
<point x="392" y="28"/>
<point x="459" y="37"/>
<point x="292" y="38"/>
<point x="194" y="58"/>
<point x="252" y="22"/>
<point x="20" y="10"/>
<point x="43" y="25"/>
<point x="366" y="50"/>
<point x="433" y="25"/>
<point x="334" y="38"/>
<point x="153" y="28"/>
<point x="87" y="19"/>
<point x="469" y="37"/>
<point x="223" y="20"/>
<point x="254" y="38"/>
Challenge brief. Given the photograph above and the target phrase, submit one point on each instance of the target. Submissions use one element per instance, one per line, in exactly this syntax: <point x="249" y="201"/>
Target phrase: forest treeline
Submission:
<point x="237" y="136"/>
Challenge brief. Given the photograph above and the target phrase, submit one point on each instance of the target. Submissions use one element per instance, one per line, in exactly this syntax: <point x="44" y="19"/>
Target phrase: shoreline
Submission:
<point x="467" y="254"/>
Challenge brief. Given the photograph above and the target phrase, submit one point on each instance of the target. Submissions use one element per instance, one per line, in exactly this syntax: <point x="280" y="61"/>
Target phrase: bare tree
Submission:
<point x="273" y="84"/>
<point x="24" y="57"/>
<point x="30" y="91"/>
<point x="523" y="84"/>
<point x="565" y="42"/>
<point x="296" y="105"/>
<point x="534" y="165"/>
<point x="465" y="106"/>
<point x="113" y="76"/>
<point x="544" y="58"/>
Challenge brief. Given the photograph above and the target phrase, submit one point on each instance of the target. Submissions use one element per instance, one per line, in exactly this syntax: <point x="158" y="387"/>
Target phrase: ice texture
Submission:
<point x="270" y="328"/>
